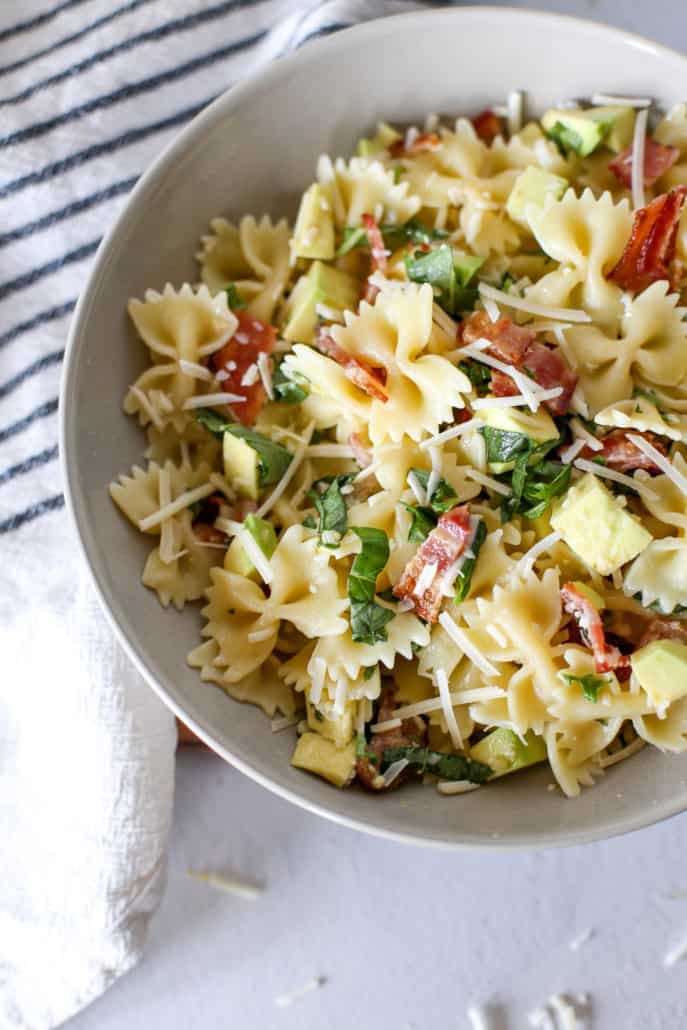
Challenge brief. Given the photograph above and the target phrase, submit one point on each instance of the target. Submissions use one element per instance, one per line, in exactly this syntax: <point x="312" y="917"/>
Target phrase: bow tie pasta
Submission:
<point x="422" y="451"/>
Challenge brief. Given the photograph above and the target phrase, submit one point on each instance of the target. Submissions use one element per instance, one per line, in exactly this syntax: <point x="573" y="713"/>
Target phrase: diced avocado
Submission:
<point x="593" y="522"/>
<point x="583" y="130"/>
<point x="313" y="235"/>
<point x="339" y="731"/>
<point x="241" y="466"/>
<point x="538" y="426"/>
<point x="661" y="668"/>
<point x="383" y="138"/>
<point x="504" y="751"/>
<point x="533" y="186"/>
<point x="318" y="755"/>
<point x="236" y="559"/>
<point x="591" y="594"/>
<point x="323" y="284"/>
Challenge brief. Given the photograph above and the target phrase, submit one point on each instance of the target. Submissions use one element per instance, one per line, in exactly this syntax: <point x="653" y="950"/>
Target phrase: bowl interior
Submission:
<point x="254" y="151"/>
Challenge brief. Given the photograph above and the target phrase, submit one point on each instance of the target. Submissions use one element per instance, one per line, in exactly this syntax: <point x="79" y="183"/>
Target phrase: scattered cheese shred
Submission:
<point x="515" y="105"/>
<point x="329" y="450"/>
<point x="147" y="407"/>
<point x="210" y="400"/>
<point x="620" y="756"/>
<point x="282" y="1001"/>
<point x="449" y="434"/>
<point x="291" y="471"/>
<point x="526" y="563"/>
<point x="638" y="148"/>
<point x="466" y="646"/>
<point x="386" y="725"/>
<point x="435" y="474"/>
<point x="394" y="771"/>
<point x="616" y="477"/>
<point x="509" y="300"/>
<point x="426" y="578"/>
<point x="193" y="369"/>
<point x="257" y="557"/>
<point x="414" y="484"/>
<point x="526" y="386"/>
<point x="569" y="453"/>
<point x="488" y="481"/>
<point x="610" y="99"/>
<point x="265" y="374"/>
<point x="456" y="787"/>
<point x="441" y="680"/>
<point x="251" y="375"/>
<point x="660" y="459"/>
<point x="230" y="884"/>
<point x="184" y="500"/>
<point x="477" y="695"/>
<point x="582" y="433"/>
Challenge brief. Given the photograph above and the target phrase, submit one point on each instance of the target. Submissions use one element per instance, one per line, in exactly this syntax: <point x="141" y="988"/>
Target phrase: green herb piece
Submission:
<point x="309" y="522"/>
<point x="423" y="522"/>
<point x="368" y="619"/>
<point x="289" y="390"/>
<point x="415" y="647"/>
<point x="599" y="459"/>
<point x="444" y="496"/>
<point x="318" y="714"/>
<point x="452" y="282"/>
<point x="394" y="236"/>
<point x="479" y="376"/>
<point x="547" y="480"/>
<point x="507" y="282"/>
<point x="214" y="423"/>
<point x="195" y="508"/>
<point x="445" y="767"/>
<point x="273" y="459"/>
<point x="649" y="395"/>
<point x="369" y="672"/>
<point x="234" y="297"/>
<point x="362" y="750"/>
<point x="464" y="577"/>
<point x="331" y="507"/>
<point x="534" y="482"/>
<point x="591" y="685"/>
<point x="398" y="172"/>
<point x="354" y="236"/>
<point x="504" y="445"/>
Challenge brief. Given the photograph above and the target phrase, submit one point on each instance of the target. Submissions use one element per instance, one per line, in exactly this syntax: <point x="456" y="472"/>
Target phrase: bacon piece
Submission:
<point x="207" y="534"/>
<point x="518" y="346"/>
<point x="370" y="292"/>
<point x="657" y="160"/>
<point x="624" y="455"/>
<point x="377" y="248"/>
<point x="251" y="338"/>
<point x="664" y="629"/>
<point x="411" y="733"/>
<point x="651" y="248"/>
<point x="423" y="141"/>
<point x="370" y="380"/>
<point x="361" y="453"/>
<point x="487" y="126"/>
<point x="442" y="549"/>
<point x="588" y="619"/>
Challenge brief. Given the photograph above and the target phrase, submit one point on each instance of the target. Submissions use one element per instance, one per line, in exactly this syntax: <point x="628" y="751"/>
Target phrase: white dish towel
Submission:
<point x="90" y="92"/>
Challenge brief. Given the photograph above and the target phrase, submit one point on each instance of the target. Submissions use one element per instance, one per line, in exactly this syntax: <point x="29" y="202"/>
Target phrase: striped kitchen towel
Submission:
<point x="90" y="92"/>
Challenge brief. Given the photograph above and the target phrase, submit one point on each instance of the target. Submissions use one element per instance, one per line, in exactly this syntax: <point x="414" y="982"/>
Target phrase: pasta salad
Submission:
<point x="423" y="454"/>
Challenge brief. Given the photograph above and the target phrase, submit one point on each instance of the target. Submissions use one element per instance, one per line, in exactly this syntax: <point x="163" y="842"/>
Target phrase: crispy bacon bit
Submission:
<point x="588" y="619"/>
<point x="518" y="346"/>
<point x="206" y="533"/>
<point x="651" y="248"/>
<point x="664" y="629"/>
<point x="370" y="380"/>
<point x="624" y="455"/>
<point x="377" y="248"/>
<point x="418" y="144"/>
<point x="411" y="733"/>
<point x="251" y="338"/>
<point x="361" y="453"/>
<point x="487" y="126"/>
<point x="657" y="160"/>
<point x="370" y="292"/>
<point x="441" y="550"/>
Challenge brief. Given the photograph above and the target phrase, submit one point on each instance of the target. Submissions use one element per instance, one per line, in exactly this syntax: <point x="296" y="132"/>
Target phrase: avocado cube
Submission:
<point x="323" y="284"/>
<point x="595" y="525"/>
<point x="236" y="559"/>
<point x="582" y="130"/>
<point x="385" y="136"/>
<point x="313" y="235"/>
<point x="338" y="730"/>
<point x="241" y="466"/>
<point x="661" y="668"/>
<point x="533" y="186"/>
<point x="538" y="426"/>
<point x="505" y="752"/>
<point x="318" y="755"/>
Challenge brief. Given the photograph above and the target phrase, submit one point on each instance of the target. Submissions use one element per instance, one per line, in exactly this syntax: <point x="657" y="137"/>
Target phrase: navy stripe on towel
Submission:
<point x="36" y="274"/>
<point x="29" y="464"/>
<point x="62" y="213"/>
<point x="31" y="370"/>
<point x="49" y="315"/>
<point x="42" y="411"/>
<point x="34" y="512"/>
<point x="38" y="19"/>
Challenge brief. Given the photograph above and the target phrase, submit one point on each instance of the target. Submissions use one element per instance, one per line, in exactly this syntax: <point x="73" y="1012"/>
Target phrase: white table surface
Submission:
<point x="406" y="937"/>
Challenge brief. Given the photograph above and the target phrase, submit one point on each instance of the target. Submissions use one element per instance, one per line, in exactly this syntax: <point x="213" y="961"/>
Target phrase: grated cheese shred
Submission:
<point x="466" y="646"/>
<point x="184" y="500"/>
<point x="616" y="477"/>
<point x="509" y="300"/>
<point x="441" y="680"/>
<point x="659" y="459"/>
<point x="638" y="149"/>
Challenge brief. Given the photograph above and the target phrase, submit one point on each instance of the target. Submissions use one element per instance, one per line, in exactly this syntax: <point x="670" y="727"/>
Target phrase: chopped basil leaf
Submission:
<point x="565" y="139"/>
<point x="394" y="236"/>
<point x="451" y="280"/>
<point x="195" y="508"/>
<point x="289" y="390"/>
<point x="445" y="767"/>
<point x="362" y="751"/>
<point x="507" y="282"/>
<point x="479" y="376"/>
<point x="503" y="445"/>
<point x="464" y="577"/>
<point x="415" y="647"/>
<point x="444" y="496"/>
<point x="423" y="522"/>
<point x="273" y="459"/>
<point x="369" y="672"/>
<point x="387" y="595"/>
<point x="368" y="619"/>
<point x="398" y="172"/>
<point x="234" y="297"/>
<point x="467" y="268"/>
<point x="547" y="480"/>
<point x="591" y="685"/>
<point x="309" y="522"/>
<point x="331" y="507"/>
<point x="353" y="236"/>
<point x="649" y="395"/>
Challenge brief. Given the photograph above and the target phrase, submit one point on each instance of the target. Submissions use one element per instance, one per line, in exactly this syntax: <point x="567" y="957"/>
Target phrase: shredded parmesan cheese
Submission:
<point x="620" y="756"/>
<point x="258" y="558"/>
<point x="466" y="646"/>
<point x="477" y="695"/>
<point x="569" y="453"/>
<point x="193" y="369"/>
<point x="612" y="100"/>
<point x="284" y="1000"/>
<point x="521" y="304"/>
<point x="386" y="725"/>
<point x="414" y="484"/>
<point x="515" y="111"/>
<point x="638" y="148"/>
<point x="492" y="309"/>
<point x="146" y="406"/>
<point x="394" y="771"/>
<point x="329" y="314"/>
<point x="616" y="477"/>
<point x="526" y="563"/>
<point x="251" y="375"/>
<point x="265" y="374"/>
<point x="583" y="434"/>
<point x="230" y="884"/>
<point x="204" y="400"/>
<point x="435" y="473"/>
<point x="425" y="579"/>
<point x="229" y="526"/>
<point x="444" y="321"/>
<point x="329" y="450"/>
<point x="449" y="434"/>
<point x="660" y="459"/>
<point x="441" y="680"/>
<point x="291" y="471"/>
<point x="488" y="481"/>
<point x="184" y="500"/>
<point x="526" y="386"/>
<point x="456" y="786"/>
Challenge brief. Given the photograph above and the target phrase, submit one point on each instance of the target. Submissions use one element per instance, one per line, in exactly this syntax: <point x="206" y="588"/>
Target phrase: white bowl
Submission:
<point x="254" y="150"/>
